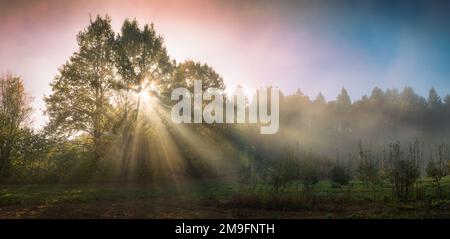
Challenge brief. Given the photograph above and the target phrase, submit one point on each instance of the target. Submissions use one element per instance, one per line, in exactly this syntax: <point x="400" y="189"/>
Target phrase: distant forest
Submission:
<point x="383" y="116"/>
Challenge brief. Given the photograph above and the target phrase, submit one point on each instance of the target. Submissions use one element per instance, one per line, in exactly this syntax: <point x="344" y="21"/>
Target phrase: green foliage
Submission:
<point x="141" y="57"/>
<point x="81" y="92"/>
<point x="437" y="169"/>
<point x="30" y="156"/>
<point x="15" y="110"/>
<point x="339" y="175"/>
<point x="368" y="170"/>
<point x="283" y="171"/>
<point x="309" y="174"/>
<point x="403" y="169"/>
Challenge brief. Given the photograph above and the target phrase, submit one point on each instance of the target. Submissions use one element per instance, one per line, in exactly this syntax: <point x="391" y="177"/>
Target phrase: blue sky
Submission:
<point x="390" y="43"/>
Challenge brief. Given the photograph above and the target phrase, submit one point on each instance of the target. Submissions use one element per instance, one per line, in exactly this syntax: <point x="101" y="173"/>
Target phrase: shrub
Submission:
<point x="436" y="171"/>
<point x="403" y="169"/>
<point x="339" y="175"/>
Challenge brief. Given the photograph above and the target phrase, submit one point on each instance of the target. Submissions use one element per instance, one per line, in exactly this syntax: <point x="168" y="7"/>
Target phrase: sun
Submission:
<point x="145" y="97"/>
<point x="149" y="93"/>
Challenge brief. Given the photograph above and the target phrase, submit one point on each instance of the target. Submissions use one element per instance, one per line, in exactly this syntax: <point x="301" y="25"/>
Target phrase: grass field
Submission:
<point x="218" y="199"/>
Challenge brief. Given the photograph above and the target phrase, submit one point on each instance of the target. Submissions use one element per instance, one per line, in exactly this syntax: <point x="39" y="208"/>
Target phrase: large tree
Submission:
<point x="186" y="73"/>
<point x="15" y="110"/>
<point x="143" y="65"/>
<point x="80" y="101"/>
<point x="189" y="71"/>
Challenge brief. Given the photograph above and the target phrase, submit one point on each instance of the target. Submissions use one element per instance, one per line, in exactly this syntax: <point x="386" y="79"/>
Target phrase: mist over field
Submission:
<point x="87" y="98"/>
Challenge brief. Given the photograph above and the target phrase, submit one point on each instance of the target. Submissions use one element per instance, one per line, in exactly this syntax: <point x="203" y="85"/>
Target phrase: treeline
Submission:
<point x="109" y="118"/>
<point x="383" y="116"/>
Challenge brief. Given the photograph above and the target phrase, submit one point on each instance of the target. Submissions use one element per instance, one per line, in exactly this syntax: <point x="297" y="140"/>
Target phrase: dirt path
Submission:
<point x="172" y="208"/>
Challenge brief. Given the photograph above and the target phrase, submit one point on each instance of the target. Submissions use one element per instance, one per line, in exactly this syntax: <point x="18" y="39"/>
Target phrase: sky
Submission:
<point x="312" y="45"/>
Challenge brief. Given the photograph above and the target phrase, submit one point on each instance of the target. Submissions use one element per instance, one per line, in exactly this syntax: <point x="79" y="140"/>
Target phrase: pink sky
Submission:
<point x="235" y="39"/>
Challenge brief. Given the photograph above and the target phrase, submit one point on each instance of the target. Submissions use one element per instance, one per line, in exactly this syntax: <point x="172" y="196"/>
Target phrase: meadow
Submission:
<point x="219" y="199"/>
